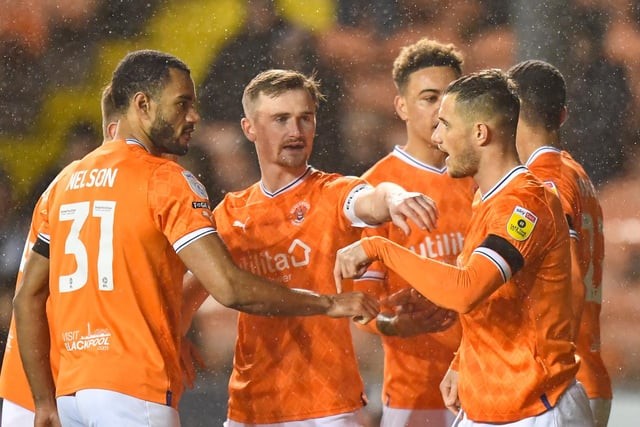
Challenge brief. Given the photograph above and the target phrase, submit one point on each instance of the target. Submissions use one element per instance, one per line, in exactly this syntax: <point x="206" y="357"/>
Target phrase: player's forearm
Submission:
<point x="32" y="328"/>
<point x="210" y="262"/>
<point x="373" y="206"/>
<point x="577" y="286"/>
<point x="377" y="289"/>
<point x="193" y="295"/>
<point x="458" y="289"/>
<point x="263" y="297"/>
<point x="33" y="335"/>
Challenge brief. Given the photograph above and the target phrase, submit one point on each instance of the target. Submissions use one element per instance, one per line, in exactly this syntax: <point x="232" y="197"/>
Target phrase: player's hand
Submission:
<point x="357" y="305"/>
<point x="46" y="415"/>
<point x="449" y="391"/>
<point x="190" y="358"/>
<point x="417" y="207"/>
<point x="415" y="314"/>
<point x="351" y="262"/>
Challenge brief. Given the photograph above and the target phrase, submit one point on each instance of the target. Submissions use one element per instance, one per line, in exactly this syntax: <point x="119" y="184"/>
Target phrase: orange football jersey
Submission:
<point x="114" y="225"/>
<point x="292" y="368"/>
<point x="414" y="366"/>
<point x="579" y="201"/>
<point x="593" y="373"/>
<point x="13" y="381"/>
<point x="516" y="357"/>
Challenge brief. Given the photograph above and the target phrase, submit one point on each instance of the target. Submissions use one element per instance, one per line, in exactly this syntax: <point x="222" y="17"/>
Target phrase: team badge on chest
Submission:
<point x="298" y="213"/>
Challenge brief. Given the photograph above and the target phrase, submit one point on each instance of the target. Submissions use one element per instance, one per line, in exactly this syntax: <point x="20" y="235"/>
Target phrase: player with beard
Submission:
<point x="120" y="229"/>
<point x="516" y="363"/>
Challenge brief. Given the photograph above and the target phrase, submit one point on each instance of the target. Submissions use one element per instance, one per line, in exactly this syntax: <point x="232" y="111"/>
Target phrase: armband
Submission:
<point x="41" y="247"/>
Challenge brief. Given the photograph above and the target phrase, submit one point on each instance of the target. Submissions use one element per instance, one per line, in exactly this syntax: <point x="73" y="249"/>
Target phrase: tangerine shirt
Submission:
<point x="512" y="286"/>
<point x="113" y="227"/>
<point x="579" y="200"/>
<point x="292" y="368"/>
<point x="13" y="380"/>
<point x="414" y="366"/>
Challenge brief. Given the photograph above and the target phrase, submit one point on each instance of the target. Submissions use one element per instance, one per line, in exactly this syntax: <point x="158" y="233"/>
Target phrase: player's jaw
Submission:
<point x="462" y="162"/>
<point x="167" y="139"/>
<point x="294" y="152"/>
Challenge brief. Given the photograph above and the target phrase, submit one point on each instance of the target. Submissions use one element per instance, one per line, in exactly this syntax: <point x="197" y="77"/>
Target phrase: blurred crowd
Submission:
<point x="49" y="46"/>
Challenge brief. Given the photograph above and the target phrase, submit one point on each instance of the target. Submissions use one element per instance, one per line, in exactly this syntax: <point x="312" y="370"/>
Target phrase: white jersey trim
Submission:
<point x="186" y="240"/>
<point x="497" y="259"/>
<point x="372" y="275"/>
<point x="407" y="158"/>
<point x="540" y="151"/>
<point x="45" y="238"/>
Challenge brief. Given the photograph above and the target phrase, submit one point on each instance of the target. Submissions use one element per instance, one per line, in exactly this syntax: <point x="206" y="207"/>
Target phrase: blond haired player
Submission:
<point x="516" y="363"/>
<point x="119" y="231"/>
<point x="298" y="371"/>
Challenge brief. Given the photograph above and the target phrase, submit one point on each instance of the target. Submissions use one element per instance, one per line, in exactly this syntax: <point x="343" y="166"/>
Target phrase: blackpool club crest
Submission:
<point x="298" y="212"/>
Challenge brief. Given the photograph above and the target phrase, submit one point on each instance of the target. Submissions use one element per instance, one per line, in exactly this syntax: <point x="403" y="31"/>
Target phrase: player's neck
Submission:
<point x="531" y="138"/>
<point x="427" y="153"/>
<point x="126" y="131"/>
<point x="275" y="177"/>
<point x="494" y="166"/>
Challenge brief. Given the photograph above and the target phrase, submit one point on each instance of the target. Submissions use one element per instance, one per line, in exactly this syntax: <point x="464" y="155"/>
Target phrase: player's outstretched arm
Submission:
<point x="456" y="288"/>
<point x="391" y="202"/>
<point x="210" y="262"/>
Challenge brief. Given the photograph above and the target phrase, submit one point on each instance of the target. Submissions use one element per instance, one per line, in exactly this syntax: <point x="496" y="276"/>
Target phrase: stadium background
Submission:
<point x="57" y="56"/>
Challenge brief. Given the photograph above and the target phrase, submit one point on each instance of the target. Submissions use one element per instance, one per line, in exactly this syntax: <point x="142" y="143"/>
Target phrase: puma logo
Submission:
<point x="240" y="224"/>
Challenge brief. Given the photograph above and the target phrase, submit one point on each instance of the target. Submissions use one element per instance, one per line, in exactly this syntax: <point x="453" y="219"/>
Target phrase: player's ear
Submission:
<point x="247" y="128"/>
<point x="142" y="103"/>
<point x="112" y="129"/>
<point x="481" y="133"/>
<point x="401" y="107"/>
<point x="563" y="115"/>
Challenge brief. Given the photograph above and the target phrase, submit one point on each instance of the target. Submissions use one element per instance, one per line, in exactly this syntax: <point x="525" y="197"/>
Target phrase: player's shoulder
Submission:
<point x="65" y="172"/>
<point x="573" y="165"/>
<point x="240" y="198"/>
<point x="526" y="205"/>
<point x="520" y="181"/>
<point x="519" y="187"/>
<point x="331" y="181"/>
<point x="381" y="169"/>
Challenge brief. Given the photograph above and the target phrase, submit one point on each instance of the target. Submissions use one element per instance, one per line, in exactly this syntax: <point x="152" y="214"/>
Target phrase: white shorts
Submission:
<point x="395" y="417"/>
<point x="601" y="409"/>
<point x="105" y="408"/>
<point x="572" y="410"/>
<point x="14" y="415"/>
<point x="350" y="419"/>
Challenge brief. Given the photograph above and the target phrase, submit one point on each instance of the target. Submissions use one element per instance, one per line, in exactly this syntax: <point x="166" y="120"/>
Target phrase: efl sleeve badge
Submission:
<point x="521" y="223"/>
